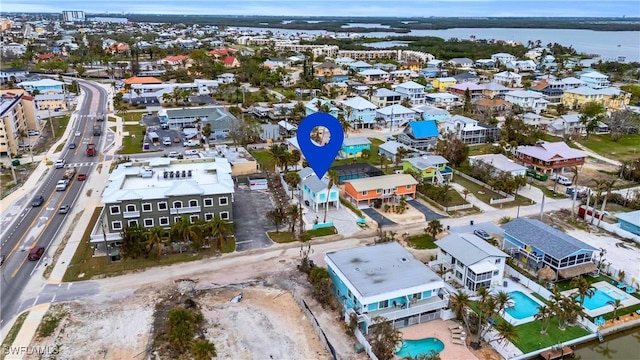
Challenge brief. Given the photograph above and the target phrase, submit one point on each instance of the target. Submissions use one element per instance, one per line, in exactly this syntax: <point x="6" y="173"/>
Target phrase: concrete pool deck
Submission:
<point x="439" y="329"/>
<point x="629" y="300"/>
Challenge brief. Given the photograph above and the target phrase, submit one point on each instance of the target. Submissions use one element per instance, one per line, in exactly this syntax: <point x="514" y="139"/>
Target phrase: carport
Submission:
<point x="153" y="136"/>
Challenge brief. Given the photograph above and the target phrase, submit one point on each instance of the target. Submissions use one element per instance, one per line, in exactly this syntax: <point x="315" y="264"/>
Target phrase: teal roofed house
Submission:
<point x="352" y="147"/>
<point x="386" y="280"/>
<point x="630" y="222"/>
<point x="420" y="135"/>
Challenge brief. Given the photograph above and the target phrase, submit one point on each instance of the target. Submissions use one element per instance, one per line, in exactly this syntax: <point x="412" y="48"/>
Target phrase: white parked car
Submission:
<point x="191" y="152"/>
<point x="78" y="133"/>
<point x="174" y="154"/>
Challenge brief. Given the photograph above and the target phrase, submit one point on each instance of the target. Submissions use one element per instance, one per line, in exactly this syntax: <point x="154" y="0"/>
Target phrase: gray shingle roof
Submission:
<point x="542" y="236"/>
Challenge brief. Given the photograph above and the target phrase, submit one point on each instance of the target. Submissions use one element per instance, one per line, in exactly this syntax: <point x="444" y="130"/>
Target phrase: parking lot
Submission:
<point x="249" y="213"/>
<point x="172" y="134"/>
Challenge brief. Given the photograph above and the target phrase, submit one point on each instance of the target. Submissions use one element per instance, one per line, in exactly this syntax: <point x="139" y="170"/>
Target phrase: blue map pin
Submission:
<point x="319" y="157"/>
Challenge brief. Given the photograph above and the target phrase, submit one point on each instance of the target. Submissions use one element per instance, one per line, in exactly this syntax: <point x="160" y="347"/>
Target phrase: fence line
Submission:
<point x="493" y="201"/>
<point x="316" y="325"/>
<point x="458" y="207"/>
<point x="527" y="282"/>
<point x="367" y="347"/>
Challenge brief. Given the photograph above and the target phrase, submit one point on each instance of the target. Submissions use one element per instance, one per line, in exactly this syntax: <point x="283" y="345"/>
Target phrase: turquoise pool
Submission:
<point x="523" y="306"/>
<point x="600" y="298"/>
<point x="413" y="348"/>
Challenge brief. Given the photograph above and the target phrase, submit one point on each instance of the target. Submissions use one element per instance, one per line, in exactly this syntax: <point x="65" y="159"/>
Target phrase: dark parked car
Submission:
<point x="36" y="253"/>
<point x="482" y="234"/>
<point x="38" y="200"/>
<point x="2" y="259"/>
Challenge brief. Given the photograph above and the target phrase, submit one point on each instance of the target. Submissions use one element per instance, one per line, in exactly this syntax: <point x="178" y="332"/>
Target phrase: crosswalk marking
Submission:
<point x="77" y="165"/>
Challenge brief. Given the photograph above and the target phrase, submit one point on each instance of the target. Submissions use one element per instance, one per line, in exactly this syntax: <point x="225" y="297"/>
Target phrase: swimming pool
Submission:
<point x="413" y="348"/>
<point x="523" y="306"/>
<point x="600" y="298"/>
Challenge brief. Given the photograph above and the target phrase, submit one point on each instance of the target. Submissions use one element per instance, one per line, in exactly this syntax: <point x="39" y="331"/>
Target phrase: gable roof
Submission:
<point x="468" y="248"/>
<point x="142" y="80"/>
<point x="494" y="86"/>
<point x="384" y="181"/>
<point x="359" y="103"/>
<point x="632" y="217"/>
<point x="427" y="161"/>
<point x="542" y="236"/>
<point x="395" y="109"/>
<point x="358" y="140"/>
<point x="411" y="85"/>
<point x="466" y="86"/>
<point x="499" y="162"/>
<point x="384" y="92"/>
<point x="229" y="60"/>
<point x="423" y="129"/>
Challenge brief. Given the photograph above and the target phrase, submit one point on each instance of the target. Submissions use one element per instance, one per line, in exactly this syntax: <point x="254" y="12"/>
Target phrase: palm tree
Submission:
<point x="607" y="185"/>
<point x="544" y="315"/>
<point x="295" y="158"/>
<point x="277" y="153"/>
<point x="503" y="301"/>
<point x="617" y="304"/>
<point x="506" y="332"/>
<point x="219" y="229"/>
<point x="434" y="228"/>
<point x="459" y="303"/>
<point x="277" y="217"/>
<point x="333" y="179"/>
<point x="293" y="214"/>
<point x="292" y="179"/>
<point x="187" y="231"/>
<point x="584" y="288"/>
<point x="156" y="238"/>
<point x="206" y="131"/>
<point x="401" y="152"/>
<point x="599" y="186"/>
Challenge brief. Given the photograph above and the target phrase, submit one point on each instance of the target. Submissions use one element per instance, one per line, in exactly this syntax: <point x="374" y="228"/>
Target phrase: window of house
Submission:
<point x="114" y="210"/>
<point x="208" y="216"/>
<point x="162" y="206"/>
<point x="224" y="215"/>
<point x="349" y="293"/>
<point x="194" y="218"/>
<point x="164" y="221"/>
<point x="408" y="187"/>
<point x="146" y="207"/>
<point x="116" y="225"/>
<point x="496" y="272"/>
<point x="379" y="191"/>
<point x="177" y="204"/>
<point x="208" y="202"/>
<point x="498" y="261"/>
<point x="193" y="203"/>
<point x="148" y="222"/>
<point x="132" y="222"/>
<point x="383" y="304"/>
<point x="223" y="200"/>
<point x="176" y="219"/>
<point x="364" y="193"/>
<point x="131" y="207"/>
<point x="459" y="275"/>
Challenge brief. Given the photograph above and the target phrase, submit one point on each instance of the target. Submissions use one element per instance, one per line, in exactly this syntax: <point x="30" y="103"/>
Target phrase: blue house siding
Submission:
<point x="632" y="228"/>
<point x="365" y="116"/>
<point x="353" y="151"/>
<point x="341" y="291"/>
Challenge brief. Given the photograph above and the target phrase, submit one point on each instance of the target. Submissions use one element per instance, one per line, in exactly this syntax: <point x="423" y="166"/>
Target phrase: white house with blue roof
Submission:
<point x="395" y="116"/>
<point x="472" y="262"/>
<point x="536" y="245"/>
<point x="316" y="192"/>
<point x="420" y="135"/>
<point x="352" y="147"/>
<point x="359" y="112"/>
<point x="386" y="280"/>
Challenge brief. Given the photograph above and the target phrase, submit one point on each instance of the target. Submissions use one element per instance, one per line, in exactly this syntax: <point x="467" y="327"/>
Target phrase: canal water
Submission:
<point x="620" y="346"/>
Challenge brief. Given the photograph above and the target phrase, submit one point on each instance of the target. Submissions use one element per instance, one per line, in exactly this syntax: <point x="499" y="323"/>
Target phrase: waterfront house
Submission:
<point x="630" y="221"/>
<point x="359" y="112"/>
<point x="470" y="261"/>
<point x="432" y="168"/>
<point x="384" y="97"/>
<point x="549" y="156"/>
<point x="385" y="280"/>
<point x="508" y="78"/>
<point x="530" y="100"/>
<point x="420" y="135"/>
<point x="352" y="147"/>
<point x="498" y="164"/>
<point x="362" y="192"/>
<point x="536" y="245"/>
<point x="412" y="91"/>
<point x="316" y="191"/>
<point x="395" y="116"/>
<point x="595" y="80"/>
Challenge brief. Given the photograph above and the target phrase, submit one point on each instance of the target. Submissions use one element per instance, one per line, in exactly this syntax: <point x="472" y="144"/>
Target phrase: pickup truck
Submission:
<point x="190" y="143"/>
<point x="62" y="185"/>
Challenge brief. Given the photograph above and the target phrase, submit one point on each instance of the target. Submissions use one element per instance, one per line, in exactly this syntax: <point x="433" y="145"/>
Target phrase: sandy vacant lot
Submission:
<point x="266" y="324"/>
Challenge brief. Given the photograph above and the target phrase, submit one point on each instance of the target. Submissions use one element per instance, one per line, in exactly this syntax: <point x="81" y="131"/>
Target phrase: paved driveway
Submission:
<point x="489" y="227"/>
<point x="377" y="217"/>
<point x="343" y="219"/>
<point x="249" y="217"/>
<point x="428" y="213"/>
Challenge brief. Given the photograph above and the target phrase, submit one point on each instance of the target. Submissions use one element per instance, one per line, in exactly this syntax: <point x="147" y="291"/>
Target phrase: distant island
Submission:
<point x="399" y="25"/>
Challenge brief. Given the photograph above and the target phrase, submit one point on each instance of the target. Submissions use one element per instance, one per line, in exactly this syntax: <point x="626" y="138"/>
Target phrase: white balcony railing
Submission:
<point x="185" y="210"/>
<point x="131" y="214"/>
<point x="433" y="303"/>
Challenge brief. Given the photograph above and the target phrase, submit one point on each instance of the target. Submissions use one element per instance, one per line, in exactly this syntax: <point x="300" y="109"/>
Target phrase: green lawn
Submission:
<point x="132" y="144"/>
<point x="485" y="195"/>
<point x="373" y="159"/>
<point x="530" y="338"/>
<point x="322" y="232"/>
<point x="549" y="193"/>
<point x="264" y="158"/>
<point x="421" y="242"/>
<point x="566" y="284"/>
<point x="626" y="148"/>
<point x="133" y="115"/>
<point x="84" y="266"/>
<point x="480" y="149"/>
<point x="284" y="237"/>
<point x="281" y="237"/>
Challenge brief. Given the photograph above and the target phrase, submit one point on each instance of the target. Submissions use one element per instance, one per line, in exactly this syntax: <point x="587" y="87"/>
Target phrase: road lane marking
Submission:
<point x="35" y="301"/>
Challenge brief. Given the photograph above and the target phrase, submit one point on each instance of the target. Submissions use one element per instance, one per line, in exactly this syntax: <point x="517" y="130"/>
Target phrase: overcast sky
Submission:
<point x="398" y="8"/>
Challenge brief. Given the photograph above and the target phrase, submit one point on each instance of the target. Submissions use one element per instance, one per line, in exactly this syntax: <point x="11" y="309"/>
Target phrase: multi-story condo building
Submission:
<point x="365" y="55"/>
<point x="317" y="50"/>
<point x="69" y="16"/>
<point x="17" y="115"/>
<point x="159" y="191"/>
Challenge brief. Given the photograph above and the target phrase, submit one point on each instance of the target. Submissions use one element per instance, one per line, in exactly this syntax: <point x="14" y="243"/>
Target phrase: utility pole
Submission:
<point x="542" y="206"/>
<point x="53" y="132"/>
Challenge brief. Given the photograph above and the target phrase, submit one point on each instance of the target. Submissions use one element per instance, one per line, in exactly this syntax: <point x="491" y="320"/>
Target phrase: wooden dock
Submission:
<point x="556" y="354"/>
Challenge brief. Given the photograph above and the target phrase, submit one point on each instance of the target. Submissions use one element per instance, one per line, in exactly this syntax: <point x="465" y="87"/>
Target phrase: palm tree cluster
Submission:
<point x="138" y="241"/>
<point x="479" y="321"/>
<point x="283" y="158"/>
<point x="567" y="309"/>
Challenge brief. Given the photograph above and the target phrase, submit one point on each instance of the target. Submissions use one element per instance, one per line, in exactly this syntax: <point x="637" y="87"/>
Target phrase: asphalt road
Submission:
<point x="38" y="226"/>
